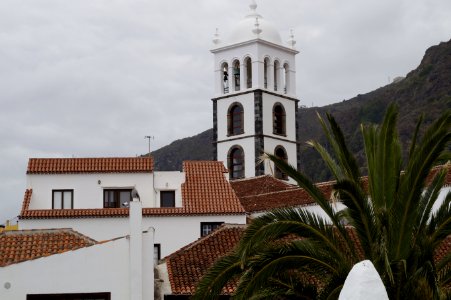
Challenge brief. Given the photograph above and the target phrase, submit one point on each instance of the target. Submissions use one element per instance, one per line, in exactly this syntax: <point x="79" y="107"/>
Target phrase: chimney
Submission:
<point x="136" y="271"/>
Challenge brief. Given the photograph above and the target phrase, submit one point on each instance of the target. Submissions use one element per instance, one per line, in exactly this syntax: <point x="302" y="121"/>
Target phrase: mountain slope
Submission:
<point x="427" y="89"/>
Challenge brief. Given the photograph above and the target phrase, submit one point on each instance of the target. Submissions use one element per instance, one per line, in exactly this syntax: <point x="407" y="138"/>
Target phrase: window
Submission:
<point x="156" y="254"/>
<point x="236" y="75"/>
<point x="248" y="64"/>
<point x="235" y="119"/>
<point x="282" y="154"/>
<point x="89" y="296"/>
<point x="236" y="162"/>
<point x="278" y="119"/>
<point x="167" y="198"/>
<point x="62" y="199"/>
<point x="265" y="72"/>
<point x="225" y="77"/>
<point x="276" y="74"/>
<point x="207" y="227"/>
<point x="115" y="198"/>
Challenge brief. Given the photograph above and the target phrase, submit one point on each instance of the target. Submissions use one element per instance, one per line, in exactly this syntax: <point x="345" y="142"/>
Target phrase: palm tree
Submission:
<point x="295" y="254"/>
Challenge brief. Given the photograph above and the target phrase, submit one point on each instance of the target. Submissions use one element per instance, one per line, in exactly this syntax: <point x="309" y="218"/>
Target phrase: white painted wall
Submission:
<point x="247" y="101"/>
<point x="248" y="145"/>
<point x="257" y="50"/>
<point x="290" y="148"/>
<point x="172" y="232"/>
<point x="290" y="118"/>
<point x="99" y="268"/>
<point x="314" y="208"/>
<point x="88" y="192"/>
<point x="169" y="181"/>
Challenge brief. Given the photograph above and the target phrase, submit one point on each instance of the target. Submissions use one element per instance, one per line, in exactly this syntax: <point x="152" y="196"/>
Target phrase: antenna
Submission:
<point x="149" y="138"/>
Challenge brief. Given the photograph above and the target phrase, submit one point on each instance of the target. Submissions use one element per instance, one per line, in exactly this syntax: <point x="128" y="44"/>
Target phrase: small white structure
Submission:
<point x="363" y="282"/>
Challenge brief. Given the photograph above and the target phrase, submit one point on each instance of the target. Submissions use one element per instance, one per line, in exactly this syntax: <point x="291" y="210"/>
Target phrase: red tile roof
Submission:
<point x="205" y="192"/>
<point x="259" y="185"/>
<point x="22" y="245"/>
<point x="284" y="198"/>
<point x="189" y="264"/>
<point x="265" y="193"/>
<point x="90" y="165"/>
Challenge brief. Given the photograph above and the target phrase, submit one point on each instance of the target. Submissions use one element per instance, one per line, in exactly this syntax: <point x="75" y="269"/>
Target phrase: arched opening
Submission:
<point x="235" y="120"/>
<point x="276" y="74"/>
<point x="225" y="77"/>
<point x="279" y="119"/>
<point x="236" y="162"/>
<point x="236" y="75"/>
<point x="281" y="154"/>
<point x="265" y="71"/>
<point x="248" y="64"/>
<point x="285" y="78"/>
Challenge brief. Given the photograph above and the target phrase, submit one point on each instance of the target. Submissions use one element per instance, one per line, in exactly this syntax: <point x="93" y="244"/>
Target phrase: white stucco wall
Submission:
<point x="290" y="117"/>
<point x="247" y="101"/>
<point x="88" y="188"/>
<point x="257" y="50"/>
<point x="168" y="181"/>
<point x="99" y="268"/>
<point x="171" y="232"/>
<point x="248" y="145"/>
<point x="314" y="208"/>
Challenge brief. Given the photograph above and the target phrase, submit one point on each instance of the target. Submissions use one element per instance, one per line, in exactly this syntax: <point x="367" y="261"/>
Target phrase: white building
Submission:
<point x="254" y="110"/>
<point x="255" y="104"/>
<point x="91" y="196"/>
<point x="47" y="264"/>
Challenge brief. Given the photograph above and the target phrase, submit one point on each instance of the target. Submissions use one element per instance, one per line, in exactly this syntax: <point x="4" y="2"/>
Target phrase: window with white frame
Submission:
<point x="62" y="199"/>
<point x="115" y="198"/>
<point x="208" y="227"/>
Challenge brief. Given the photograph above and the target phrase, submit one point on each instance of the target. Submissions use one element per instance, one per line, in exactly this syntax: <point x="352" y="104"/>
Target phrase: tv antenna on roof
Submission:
<point x="149" y="138"/>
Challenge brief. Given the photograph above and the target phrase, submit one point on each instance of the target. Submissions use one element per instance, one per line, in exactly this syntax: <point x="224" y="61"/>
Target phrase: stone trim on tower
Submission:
<point x="215" y="129"/>
<point x="259" y="140"/>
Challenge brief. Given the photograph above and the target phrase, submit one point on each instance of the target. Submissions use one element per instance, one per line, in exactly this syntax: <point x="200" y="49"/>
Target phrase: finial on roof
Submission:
<point x="291" y="41"/>
<point x="257" y="30"/>
<point x="253" y="5"/>
<point x="216" y="39"/>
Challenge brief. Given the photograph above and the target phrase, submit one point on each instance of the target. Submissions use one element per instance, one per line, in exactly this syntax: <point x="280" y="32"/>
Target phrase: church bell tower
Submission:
<point x="255" y="104"/>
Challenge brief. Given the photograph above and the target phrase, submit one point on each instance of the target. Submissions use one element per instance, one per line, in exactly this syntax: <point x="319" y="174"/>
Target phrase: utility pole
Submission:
<point x="149" y="138"/>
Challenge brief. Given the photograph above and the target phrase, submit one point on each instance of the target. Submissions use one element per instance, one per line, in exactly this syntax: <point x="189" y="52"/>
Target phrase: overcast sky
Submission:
<point x="93" y="77"/>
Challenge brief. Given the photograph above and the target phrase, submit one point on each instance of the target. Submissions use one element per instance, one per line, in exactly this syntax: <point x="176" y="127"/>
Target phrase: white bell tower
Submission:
<point x="255" y="104"/>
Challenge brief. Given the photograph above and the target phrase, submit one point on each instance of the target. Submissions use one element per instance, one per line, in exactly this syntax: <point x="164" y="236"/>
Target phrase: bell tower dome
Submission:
<point x="255" y="104"/>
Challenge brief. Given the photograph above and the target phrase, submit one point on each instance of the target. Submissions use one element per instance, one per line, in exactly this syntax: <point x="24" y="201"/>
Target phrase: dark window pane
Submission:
<point x="167" y="198"/>
<point x="114" y="198"/>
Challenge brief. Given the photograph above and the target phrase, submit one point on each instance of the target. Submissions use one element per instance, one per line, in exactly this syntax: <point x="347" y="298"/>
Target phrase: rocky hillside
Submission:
<point x="427" y="89"/>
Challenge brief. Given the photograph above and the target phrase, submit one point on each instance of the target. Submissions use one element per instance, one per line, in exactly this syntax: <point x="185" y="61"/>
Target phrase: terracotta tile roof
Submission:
<point x="90" y="165"/>
<point x="205" y="192"/>
<point x="263" y="193"/>
<point x="22" y="245"/>
<point x="284" y="198"/>
<point x="189" y="264"/>
<point x="259" y="185"/>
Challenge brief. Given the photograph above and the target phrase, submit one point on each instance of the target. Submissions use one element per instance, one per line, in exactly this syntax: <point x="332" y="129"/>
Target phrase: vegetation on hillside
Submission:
<point x="426" y="89"/>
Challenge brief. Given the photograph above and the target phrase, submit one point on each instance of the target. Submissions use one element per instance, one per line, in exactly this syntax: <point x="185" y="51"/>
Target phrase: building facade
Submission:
<point x="255" y="104"/>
